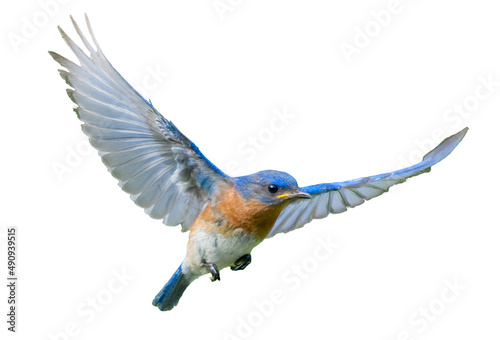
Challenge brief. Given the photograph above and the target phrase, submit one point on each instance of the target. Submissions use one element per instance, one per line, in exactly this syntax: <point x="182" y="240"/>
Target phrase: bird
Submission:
<point x="167" y="175"/>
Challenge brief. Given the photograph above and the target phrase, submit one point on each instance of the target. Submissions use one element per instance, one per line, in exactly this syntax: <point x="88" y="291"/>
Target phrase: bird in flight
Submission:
<point x="166" y="174"/>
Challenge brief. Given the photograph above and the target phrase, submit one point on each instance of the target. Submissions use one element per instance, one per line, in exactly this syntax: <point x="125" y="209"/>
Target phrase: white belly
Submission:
<point x="218" y="249"/>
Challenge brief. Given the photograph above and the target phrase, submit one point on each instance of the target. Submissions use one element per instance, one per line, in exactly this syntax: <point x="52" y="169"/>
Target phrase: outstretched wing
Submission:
<point x="161" y="169"/>
<point x="336" y="197"/>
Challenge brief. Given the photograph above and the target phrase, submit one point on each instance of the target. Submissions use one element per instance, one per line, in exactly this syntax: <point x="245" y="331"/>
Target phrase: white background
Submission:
<point x="226" y="78"/>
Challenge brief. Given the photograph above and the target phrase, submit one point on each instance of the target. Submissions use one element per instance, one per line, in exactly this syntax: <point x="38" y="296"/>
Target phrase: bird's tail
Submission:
<point x="169" y="295"/>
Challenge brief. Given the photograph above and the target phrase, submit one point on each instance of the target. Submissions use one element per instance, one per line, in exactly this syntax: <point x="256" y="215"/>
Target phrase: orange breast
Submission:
<point x="232" y="213"/>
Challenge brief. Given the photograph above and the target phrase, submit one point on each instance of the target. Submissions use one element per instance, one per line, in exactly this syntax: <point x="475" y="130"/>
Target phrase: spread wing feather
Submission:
<point x="161" y="169"/>
<point x="335" y="198"/>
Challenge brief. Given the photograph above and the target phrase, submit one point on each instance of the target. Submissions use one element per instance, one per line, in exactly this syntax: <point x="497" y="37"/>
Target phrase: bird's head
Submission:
<point x="269" y="187"/>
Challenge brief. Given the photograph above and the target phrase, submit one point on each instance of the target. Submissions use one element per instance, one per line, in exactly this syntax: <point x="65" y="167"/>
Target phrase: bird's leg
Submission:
<point x="242" y="262"/>
<point x="212" y="268"/>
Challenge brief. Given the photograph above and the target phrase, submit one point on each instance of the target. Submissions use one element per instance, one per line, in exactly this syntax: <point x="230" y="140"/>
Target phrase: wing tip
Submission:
<point x="445" y="147"/>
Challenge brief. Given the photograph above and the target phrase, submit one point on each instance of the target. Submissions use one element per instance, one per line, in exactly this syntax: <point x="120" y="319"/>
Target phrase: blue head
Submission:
<point x="269" y="187"/>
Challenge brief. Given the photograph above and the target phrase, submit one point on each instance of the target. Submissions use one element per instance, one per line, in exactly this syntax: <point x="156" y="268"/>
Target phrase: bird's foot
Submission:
<point x="242" y="262"/>
<point x="212" y="268"/>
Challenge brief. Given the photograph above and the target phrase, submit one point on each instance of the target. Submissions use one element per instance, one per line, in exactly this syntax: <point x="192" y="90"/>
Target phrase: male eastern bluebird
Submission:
<point x="167" y="175"/>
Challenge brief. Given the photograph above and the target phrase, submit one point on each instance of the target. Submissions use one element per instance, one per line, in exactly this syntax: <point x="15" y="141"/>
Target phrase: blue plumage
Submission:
<point x="250" y="186"/>
<point x="169" y="295"/>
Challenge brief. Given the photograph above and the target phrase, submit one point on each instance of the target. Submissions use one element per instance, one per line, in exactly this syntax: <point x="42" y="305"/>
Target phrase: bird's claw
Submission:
<point x="212" y="268"/>
<point x="242" y="262"/>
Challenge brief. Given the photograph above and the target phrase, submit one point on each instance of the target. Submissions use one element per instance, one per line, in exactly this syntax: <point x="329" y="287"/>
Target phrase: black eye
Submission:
<point x="273" y="188"/>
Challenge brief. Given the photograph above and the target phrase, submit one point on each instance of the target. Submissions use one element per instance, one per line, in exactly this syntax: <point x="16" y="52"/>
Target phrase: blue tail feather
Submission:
<point x="169" y="295"/>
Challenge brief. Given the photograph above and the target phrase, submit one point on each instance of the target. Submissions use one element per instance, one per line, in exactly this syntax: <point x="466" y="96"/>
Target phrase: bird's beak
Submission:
<point x="299" y="194"/>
